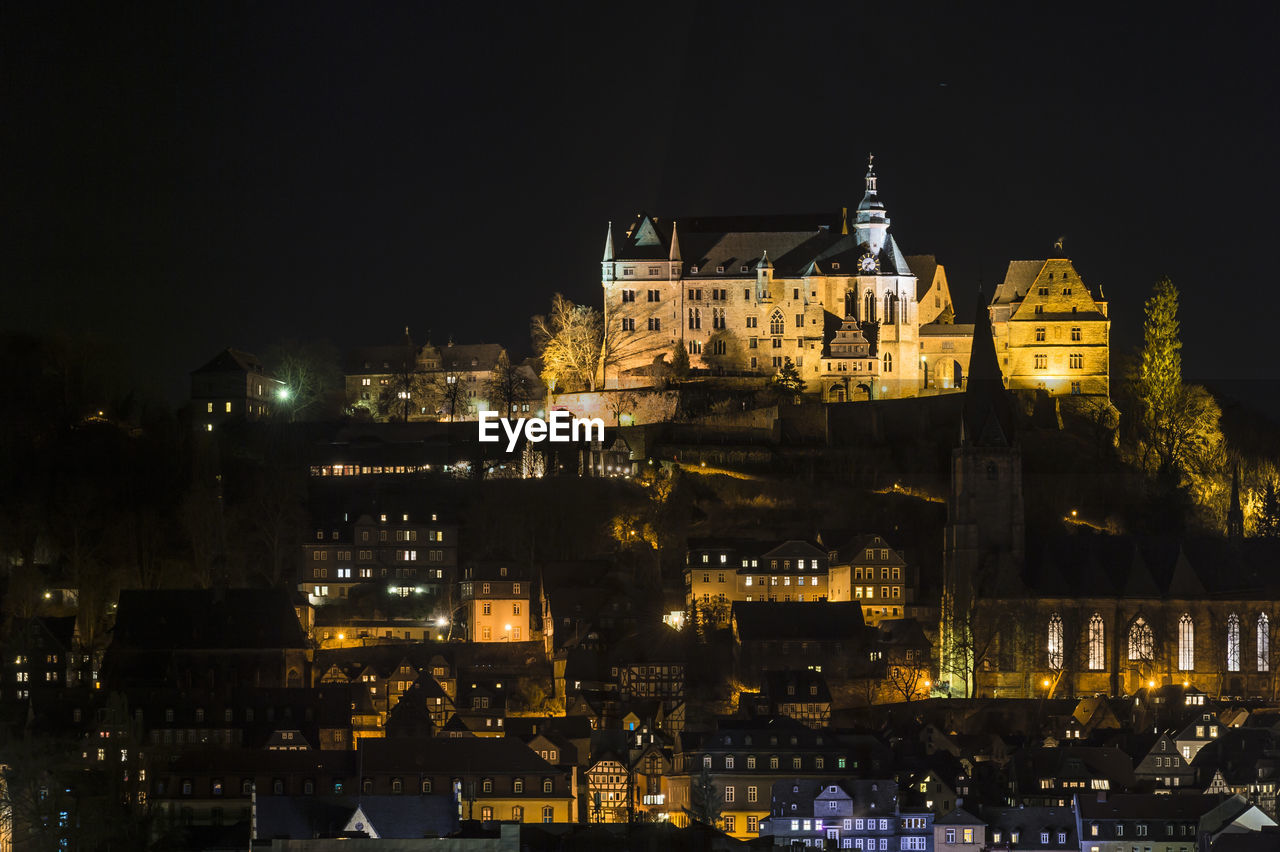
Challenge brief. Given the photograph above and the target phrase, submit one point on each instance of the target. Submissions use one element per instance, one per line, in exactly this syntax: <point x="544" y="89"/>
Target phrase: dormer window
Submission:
<point x="693" y="269"/>
<point x="835" y="265"/>
<point x="719" y="269"/>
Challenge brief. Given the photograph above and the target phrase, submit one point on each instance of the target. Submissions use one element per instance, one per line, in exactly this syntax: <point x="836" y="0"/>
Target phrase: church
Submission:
<point x="835" y="295"/>
<point x="1080" y="612"/>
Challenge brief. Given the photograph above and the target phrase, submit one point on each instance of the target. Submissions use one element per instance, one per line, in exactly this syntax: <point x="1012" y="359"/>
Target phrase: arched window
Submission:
<point x="1097" y="643"/>
<point x="776" y="324"/>
<point x="1233" y="643"/>
<point x="1141" y="642"/>
<point x="1264" y="643"/>
<point x="1055" y="642"/>
<point x="1186" y="643"/>
<point x="888" y="362"/>
<point x="869" y="307"/>
<point x="548" y="814"/>
<point x="890" y="307"/>
<point x="517" y="814"/>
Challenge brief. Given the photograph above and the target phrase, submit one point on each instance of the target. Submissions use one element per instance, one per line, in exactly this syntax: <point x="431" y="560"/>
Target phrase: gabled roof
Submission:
<point x="470" y="356"/>
<point x="1185" y="583"/>
<point x="1018" y="278"/>
<point x="761" y="620"/>
<point x="404" y="817"/>
<point x="958" y="816"/>
<point x="232" y="361"/>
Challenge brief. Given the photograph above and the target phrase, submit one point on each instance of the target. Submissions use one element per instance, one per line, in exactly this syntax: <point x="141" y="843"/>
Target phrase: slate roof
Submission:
<point x="768" y="620"/>
<point x="923" y="267"/>
<point x="958" y="816"/>
<point x="178" y="619"/>
<point x="1030" y="823"/>
<point x="459" y="357"/>
<point x="232" y="361"/>
<point x="405" y="817"/>
<point x="1018" y="278"/>
<point x="450" y="755"/>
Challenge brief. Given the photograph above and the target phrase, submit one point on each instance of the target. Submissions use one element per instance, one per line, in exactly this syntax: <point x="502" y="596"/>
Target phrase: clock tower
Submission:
<point x="885" y="289"/>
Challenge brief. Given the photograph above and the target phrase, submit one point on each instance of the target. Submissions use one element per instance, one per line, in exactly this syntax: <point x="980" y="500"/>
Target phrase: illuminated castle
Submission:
<point x="836" y="296"/>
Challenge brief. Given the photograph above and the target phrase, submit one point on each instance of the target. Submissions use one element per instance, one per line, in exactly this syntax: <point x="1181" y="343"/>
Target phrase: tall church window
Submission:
<point x="869" y="307"/>
<point x="776" y="324"/>
<point x="1141" y="642"/>
<point x="890" y="308"/>
<point x="1097" y="645"/>
<point x="1233" y="643"/>
<point x="1264" y="643"/>
<point x="1186" y="643"/>
<point x="1055" y="642"/>
<point x="888" y="362"/>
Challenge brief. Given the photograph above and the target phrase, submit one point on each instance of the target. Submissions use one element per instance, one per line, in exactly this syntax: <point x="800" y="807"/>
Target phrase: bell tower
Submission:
<point x="983" y="541"/>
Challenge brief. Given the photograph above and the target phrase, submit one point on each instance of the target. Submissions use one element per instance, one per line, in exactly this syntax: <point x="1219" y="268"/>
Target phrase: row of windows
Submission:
<point x="1142" y="642"/>
<point x="1075" y="361"/>
<point x="819" y="762"/>
<point x="486" y="608"/>
<point x="1076" y="333"/>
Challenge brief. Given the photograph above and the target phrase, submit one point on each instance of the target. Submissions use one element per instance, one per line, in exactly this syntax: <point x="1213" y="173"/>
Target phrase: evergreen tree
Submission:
<point x="1159" y="379"/>
<point x="788" y="381"/>
<point x="705" y="800"/>
<point x="679" y="362"/>
<point x="1268" y="525"/>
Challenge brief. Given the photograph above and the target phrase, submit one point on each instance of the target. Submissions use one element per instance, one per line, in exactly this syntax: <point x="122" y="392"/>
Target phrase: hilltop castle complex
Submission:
<point x="836" y="296"/>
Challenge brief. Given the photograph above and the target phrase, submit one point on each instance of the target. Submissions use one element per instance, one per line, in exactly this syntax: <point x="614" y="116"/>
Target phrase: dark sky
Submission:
<point x="194" y="176"/>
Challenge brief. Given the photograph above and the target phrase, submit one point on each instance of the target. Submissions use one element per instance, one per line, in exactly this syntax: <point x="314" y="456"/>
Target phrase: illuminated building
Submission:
<point x="232" y="386"/>
<point x="497" y="600"/>
<point x="1051" y="332"/>
<point x="743" y="294"/>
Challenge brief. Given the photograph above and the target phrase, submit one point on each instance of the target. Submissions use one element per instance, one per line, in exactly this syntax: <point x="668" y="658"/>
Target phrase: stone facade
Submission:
<point x="744" y="294"/>
<point x="1051" y="332"/>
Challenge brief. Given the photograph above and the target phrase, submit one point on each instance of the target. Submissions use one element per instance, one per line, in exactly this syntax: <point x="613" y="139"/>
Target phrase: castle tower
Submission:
<point x="983" y="541"/>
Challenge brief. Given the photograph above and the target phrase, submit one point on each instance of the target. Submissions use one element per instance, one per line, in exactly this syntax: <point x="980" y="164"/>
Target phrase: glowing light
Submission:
<point x="341" y="636"/>
<point x="1151" y="684"/>
<point x="284" y="393"/>
<point x="441" y="621"/>
<point x="506" y="627"/>
<point x="1046" y="682"/>
<point x="1073" y="513"/>
<point x="48" y="595"/>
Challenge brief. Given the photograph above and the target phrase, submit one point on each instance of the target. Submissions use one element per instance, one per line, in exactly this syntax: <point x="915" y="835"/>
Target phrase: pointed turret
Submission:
<point x="1235" y="515"/>
<point x="987" y="419"/>
<point x="871" y="222"/>
<point x="674" y="256"/>
<point x="764" y="261"/>
<point x="608" y="244"/>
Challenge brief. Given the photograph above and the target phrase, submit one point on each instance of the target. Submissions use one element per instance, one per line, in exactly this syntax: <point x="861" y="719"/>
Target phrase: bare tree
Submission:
<point x="574" y="344"/>
<point x="450" y="393"/>
<point x="508" y="385"/>
<point x="309" y="371"/>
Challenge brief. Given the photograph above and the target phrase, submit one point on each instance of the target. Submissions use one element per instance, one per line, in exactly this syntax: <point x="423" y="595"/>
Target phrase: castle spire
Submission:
<point x="608" y="244"/>
<point x="675" y="244"/>
<point x="871" y="173"/>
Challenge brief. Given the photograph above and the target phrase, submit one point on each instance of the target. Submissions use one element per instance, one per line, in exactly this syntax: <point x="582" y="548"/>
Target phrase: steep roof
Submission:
<point x="988" y="413"/>
<point x="232" y="361"/>
<point x="757" y="620"/>
<point x="1018" y="278"/>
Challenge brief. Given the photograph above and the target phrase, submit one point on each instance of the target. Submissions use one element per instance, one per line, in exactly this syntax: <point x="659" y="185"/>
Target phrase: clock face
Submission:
<point x="868" y="263"/>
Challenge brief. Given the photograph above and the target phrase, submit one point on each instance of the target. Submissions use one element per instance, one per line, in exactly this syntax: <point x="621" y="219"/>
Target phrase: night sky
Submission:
<point x="193" y="176"/>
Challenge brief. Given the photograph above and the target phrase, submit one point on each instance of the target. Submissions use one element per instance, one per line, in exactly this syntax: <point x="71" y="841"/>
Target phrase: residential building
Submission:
<point x="497" y="598"/>
<point x="233" y="386"/>
<point x="405" y="550"/>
